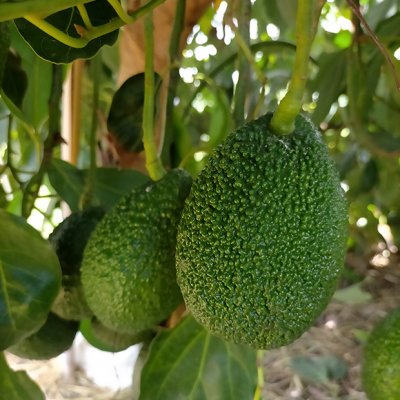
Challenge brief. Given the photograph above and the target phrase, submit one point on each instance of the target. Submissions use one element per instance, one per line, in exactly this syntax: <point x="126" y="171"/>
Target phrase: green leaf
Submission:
<point x="124" y="121"/>
<point x="189" y="363"/>
<point x="110" y="183"/>
<point x="370" y="176"/>
<point x="319" y="369"/>
<point x="385" y="143"/>
<point x="15" y="82"/>
<point x="353" y="294"/>
<point x="37" y="73"/>
<point x="4" y="45"/>
<point x="30" y="278"/>
<point x="329" y="82"/>
<point x="100" y="12"/>
<point x="16" y="385"/>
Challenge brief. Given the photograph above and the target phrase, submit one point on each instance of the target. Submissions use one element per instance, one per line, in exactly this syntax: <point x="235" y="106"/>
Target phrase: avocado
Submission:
<point x="106" y="339"/>
<point x="69" y="240"/>
<point x="380" y="367"/>
<point x="262" y="237"/>
<point x="52" y="339"/>
<point x="128" y="267"/>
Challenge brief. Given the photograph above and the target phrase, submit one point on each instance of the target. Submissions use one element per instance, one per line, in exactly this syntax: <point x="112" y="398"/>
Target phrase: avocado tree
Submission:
<point x="189" y="175"/>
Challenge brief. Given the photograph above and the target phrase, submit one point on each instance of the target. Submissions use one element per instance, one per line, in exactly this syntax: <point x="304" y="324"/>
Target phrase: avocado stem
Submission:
<point x="153" y="161"/>
<point x="307" y="17"/>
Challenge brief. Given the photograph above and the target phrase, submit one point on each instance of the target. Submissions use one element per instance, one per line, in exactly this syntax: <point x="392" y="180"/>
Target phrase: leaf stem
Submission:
<point x="282" y="122"/>
<point x="85" y="16"/>
<point x="153" y="162"/>
<point x="56" y="33"/>
<point x="239" y="100"/>
<point x="260" y="375"/>
<point x="122" y="14"/>
<point x="88" y="34"/>
<point x="40" y="8"/>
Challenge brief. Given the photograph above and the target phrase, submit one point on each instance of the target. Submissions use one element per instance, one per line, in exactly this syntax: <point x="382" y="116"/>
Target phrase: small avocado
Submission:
<point x="128" y="268"/>
<point x="380" y="367"/>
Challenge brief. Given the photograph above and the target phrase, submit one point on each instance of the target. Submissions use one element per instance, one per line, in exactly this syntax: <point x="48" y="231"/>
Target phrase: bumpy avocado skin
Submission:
<point x="69" y="240"/>
<point x="262" y="237"/>
<point x="128" y="269"/>
<point x="381" y="360"/>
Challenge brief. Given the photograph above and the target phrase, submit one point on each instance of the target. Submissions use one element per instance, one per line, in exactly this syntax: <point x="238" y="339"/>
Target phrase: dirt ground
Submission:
<point x="339" y="333"/>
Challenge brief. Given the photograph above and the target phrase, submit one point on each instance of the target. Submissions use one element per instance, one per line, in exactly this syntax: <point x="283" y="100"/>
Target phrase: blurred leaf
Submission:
<point x="4" y="45"/>
<point x="280" y="13"/>
<point x="3" y="197"/>
<point x="348" y="161"/>
<point x="15" y="81"/>
<point x="124" y="120"/>
<point x="30" y="277"/>
<point x="221" y="119"/>
<point x="385" y="142"/>
<point x="47" y="47"/>
<point x="187" y="362"/>
<point x="353" y="294"/>
<point x="369" y="177"/>
<point x="377" y="11"/>
<point x="319" y="369"/>
<point x="389" y="28"/>
<point x="17" y="113"/>
<point x="38" y="72"/>
<point x="110" y="183"/>
<point x="329" y="82"/>
<point x="16" y="385"/>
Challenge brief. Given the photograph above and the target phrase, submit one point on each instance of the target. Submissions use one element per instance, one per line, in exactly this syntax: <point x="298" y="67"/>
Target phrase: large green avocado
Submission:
<point x="262" y="237"/>
<point x="381" y="360"/>
<point x="128" y="268"/>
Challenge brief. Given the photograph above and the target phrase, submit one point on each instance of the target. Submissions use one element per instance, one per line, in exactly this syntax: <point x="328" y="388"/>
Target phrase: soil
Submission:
<point x="338" y="334"/>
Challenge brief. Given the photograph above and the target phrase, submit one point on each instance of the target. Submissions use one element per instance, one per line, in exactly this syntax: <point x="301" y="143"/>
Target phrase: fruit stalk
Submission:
<point x="307" y="17"/>
<point x="153" y="161"/>
<point x="243" y="11"/>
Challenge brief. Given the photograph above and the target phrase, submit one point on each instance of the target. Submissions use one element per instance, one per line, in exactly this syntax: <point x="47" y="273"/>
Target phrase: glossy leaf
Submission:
<point x="124" y="120"/>
<point x="100" y="12"/>
<point x="30" y="278"/>
<point x="110" y="183"/>
<point x="16" y="385"/>
<point x="189" y="363"/>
